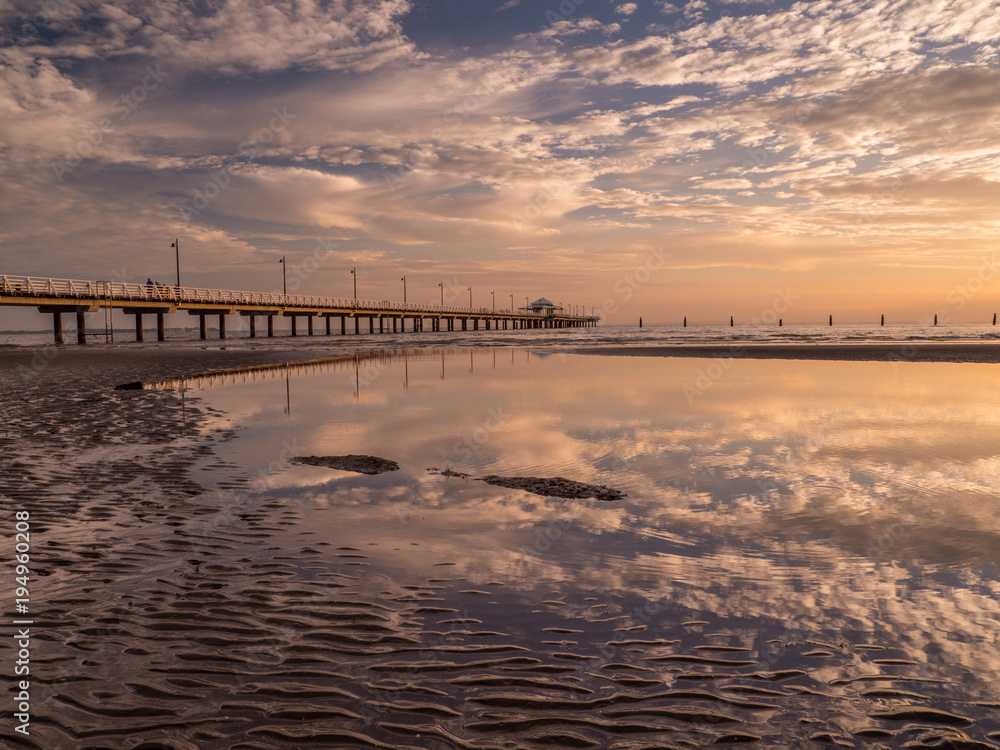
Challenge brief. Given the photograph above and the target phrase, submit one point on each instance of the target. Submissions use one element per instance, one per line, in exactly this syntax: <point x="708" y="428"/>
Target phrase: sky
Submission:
<point x="663" y="159"/>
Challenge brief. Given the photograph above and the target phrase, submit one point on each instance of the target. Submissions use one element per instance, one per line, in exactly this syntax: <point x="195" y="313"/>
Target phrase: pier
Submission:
<point x="69" y="296"/>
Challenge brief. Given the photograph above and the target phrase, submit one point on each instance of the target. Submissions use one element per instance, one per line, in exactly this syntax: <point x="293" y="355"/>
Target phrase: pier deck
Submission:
<point x="59" y="296"/>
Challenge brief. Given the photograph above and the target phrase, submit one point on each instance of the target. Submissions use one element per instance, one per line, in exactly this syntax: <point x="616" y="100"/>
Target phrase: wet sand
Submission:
<point x="165" y="619"/>
<point x="912" y="352"/>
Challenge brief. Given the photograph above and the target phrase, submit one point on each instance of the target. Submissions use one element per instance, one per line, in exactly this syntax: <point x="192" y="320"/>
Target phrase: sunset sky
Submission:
<point x="844" y="152"/>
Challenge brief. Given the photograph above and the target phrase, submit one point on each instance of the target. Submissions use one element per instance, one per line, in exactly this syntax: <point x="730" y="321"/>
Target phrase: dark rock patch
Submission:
<point x="358" y="464"/>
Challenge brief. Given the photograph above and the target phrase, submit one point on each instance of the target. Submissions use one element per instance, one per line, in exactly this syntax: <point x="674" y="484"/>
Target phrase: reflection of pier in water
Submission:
<point x="367" y="367"/>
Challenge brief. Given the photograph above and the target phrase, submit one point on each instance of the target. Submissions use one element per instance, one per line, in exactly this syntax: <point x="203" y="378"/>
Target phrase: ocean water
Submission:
<point x="599" y="335"/>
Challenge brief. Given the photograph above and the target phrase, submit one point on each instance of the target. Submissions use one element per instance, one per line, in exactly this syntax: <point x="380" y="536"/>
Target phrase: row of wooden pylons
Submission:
<point x="398" y="324"/>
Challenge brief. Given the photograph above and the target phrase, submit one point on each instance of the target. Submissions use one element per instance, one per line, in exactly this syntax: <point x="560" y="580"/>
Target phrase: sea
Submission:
<point x="633" y="335"/>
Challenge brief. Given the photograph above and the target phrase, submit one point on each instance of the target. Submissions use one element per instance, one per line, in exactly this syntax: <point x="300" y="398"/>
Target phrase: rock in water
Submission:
<point x="358" y="464"/>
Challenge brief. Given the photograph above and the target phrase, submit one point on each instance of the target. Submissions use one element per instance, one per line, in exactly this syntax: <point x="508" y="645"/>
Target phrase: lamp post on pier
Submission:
<point x="494" y="295"/>
<point x="470" y="296"/>
<point x="355" y="275"/>
<point x="441" y="284"/>
<point x="512" y="302"/>
<point x="176" y="244"/>
<point x="284" y="283"/>
<point x="404" y="289"/>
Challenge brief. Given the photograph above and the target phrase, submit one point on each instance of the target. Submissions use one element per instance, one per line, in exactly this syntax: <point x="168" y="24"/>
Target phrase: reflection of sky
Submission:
<point x="854" y="500"/>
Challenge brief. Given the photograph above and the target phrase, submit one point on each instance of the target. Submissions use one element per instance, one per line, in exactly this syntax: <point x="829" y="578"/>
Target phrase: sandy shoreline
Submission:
<point x="911" y="352"/>
<point x="176" y="606"/>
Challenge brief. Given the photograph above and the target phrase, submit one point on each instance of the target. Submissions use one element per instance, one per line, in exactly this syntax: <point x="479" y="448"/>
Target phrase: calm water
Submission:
<point x="602" y="334"/>
<point x="818" y="539"/>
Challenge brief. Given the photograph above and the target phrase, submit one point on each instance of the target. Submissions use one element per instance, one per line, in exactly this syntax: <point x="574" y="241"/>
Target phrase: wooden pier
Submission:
<point x="68" y="296"/>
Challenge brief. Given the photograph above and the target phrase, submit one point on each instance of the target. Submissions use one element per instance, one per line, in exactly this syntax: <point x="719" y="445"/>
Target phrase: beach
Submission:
<point x="787" y="559"/>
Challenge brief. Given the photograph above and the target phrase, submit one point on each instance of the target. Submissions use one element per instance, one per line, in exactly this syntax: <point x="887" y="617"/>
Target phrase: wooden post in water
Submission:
<point x="57" y="329"/>
<point x="730" y="321"/>
<point x="222" y="325"/>
<point x="138" y="328"/>
<point x="81" y="327"/>
<point x="640" y="322"/>
<point x="202" y="331"/>
<point x="831" y="320"/>
<point x="882" y="322"/>
<point x="685" y="321"/>
<point x="994" y="318"/>
<point x="253" y="326"/>
<point x="270" y="326"/>
<point x="160" y="333"/>
<point x="935" y="318"/>
<point x="780" y="322"/>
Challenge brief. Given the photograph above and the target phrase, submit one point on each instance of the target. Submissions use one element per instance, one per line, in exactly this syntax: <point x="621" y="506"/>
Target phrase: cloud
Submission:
<point x="626" y="9"/>
<point x="234" y="37"/>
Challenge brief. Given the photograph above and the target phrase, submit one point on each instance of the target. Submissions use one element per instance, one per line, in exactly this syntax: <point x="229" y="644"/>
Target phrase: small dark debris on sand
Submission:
<point x="448" y="473"/>
<point x="359" y="464"/>
<point x="555" y="487"/>
<point x="545" y="486"/>
<point x="135" y="385"/>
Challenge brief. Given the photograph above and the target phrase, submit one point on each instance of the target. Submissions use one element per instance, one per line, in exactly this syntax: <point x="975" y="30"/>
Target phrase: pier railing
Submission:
<point x="33" y="286"/>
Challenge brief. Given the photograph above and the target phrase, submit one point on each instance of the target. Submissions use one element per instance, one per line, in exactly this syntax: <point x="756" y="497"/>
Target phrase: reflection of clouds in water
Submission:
<point x="794" y="495"/>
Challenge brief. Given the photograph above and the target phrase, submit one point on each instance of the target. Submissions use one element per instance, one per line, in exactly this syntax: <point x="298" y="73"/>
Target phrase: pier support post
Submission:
<point x="343" y="325"/>
<point x="393" y="323"/>
<point x="57" y="327"/>
<point x="309" y="320"/>
<point x="222" y="325"/>
<point x="160" y="333"/>
<point x="327" y="325"/>
<point x="371" y="324"/>
<point x="381" y="324"/>
<point x="81" y="328"/>
<point x="270" y="326"/>
<point x="138" y="328"/>
<point x="357" y="325"/>
<point x="295" y="331"/>
<point x="202" y="331"/>
<point x="253" y="326"/>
